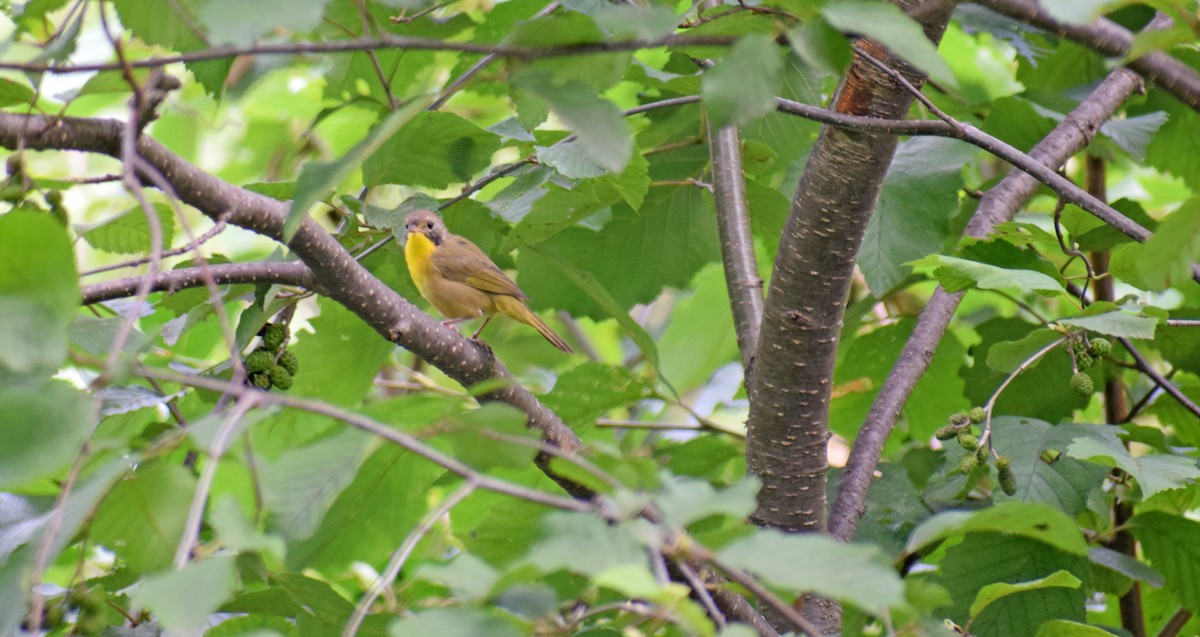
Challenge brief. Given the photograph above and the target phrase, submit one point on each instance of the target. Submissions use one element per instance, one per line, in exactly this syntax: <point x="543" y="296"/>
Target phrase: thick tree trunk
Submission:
<point x="788" y="428"/>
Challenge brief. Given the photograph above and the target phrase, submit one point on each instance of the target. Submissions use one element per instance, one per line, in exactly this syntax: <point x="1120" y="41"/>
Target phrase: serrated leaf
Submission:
<point x="183" y="600"/>
<point x="742" y="85"/>
<point x="1169" y="543"/>
<point x="142" y="518"/>
<point x="317" y="178"/>
<point x="240" y="24"/>
<point x="1154" y="472"/>
<point x="890" y="26"/>
<point x="1006" y="357"/>
<point x="686" y="500"/>
<point x="301" y="484"/>
<point x="129" y="232"/>
<point x="1037" y="521"/>
<point x="599" y="124"/>
<point x="1118" y="323"/>
<point x="993" y="592"/>
<point x="434" y="149"/>
<point x="1166" y="258"/>
<point x="587" y="391"/>
<point x="1064" y="484"/>
<point x="467" y="576"/>
<point x="919" y="198"/>
<point x="959" y="274"/>
<point x="1134" y="134"/>
<point x="1076" y="11"/>
<point x="15" y="93"/>
<point x="646" y="22"/>
<point x="854" y="573"/>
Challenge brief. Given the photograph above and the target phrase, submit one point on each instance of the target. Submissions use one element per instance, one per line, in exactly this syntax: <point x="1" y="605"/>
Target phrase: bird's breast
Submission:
<point x="418" y="253"/>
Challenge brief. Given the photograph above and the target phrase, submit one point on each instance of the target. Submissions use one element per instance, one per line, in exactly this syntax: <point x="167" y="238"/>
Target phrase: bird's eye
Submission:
<point x="429" y="224"/>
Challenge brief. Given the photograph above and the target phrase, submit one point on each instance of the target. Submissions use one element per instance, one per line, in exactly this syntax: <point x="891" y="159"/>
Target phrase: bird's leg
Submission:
<point x="456" y="321"/>
<point x="475" y="336"/>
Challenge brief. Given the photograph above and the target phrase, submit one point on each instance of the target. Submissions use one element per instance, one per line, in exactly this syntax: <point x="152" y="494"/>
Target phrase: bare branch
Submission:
<point x="1000" y="204"/>
<point x="283" y="273"/>
<point x="742" y="281"/>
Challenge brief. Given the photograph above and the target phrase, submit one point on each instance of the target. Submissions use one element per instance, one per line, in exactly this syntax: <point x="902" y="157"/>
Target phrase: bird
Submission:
<point x="458" y="279"/>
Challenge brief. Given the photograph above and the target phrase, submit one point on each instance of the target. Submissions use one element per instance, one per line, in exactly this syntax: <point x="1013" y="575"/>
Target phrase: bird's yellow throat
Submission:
<point x="418" y="253"/>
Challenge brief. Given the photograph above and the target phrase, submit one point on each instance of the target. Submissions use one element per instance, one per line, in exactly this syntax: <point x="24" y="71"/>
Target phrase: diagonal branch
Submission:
<point x="1110" y="38"/>
<point x="335" y="273"/>
<point x="1000" y="204"/>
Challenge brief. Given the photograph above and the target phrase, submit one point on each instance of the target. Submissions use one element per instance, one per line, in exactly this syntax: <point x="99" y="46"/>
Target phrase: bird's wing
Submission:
<point x="460" y="260"/>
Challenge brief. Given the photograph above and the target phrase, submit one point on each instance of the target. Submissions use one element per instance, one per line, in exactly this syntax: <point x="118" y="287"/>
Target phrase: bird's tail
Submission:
<point x="515" y="308"/>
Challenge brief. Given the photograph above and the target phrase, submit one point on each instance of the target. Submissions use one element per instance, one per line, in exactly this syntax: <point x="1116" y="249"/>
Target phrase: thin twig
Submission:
<point x="1167" y="385"/>
<point x="209" y="234"/>
<point x="401" y="555"/>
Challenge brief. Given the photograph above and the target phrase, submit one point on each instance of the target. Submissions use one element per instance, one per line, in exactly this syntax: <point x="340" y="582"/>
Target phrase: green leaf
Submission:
<point x="633" y="257"/>
<point x="686" y="500"/>
<point x="1118" y="323"/>
<point x="1126" y="565"/>
<point x="600" y="296"/>
<point x="434" y="149"/>
<point x="1077" y="11"/>
<point x="1008" y="356"/>
<point x="853" y="573"/>
<point x="983" y="559"/>
<point x="183" y="600"/>
<point x="390" y="491"/>
<point x="236" y="532"/>
<point x="302" y="483"/>
<point x="173" y="25"/>
<point x="15" y="93"/>
<point x="1154" y="472"/>
<point x="1027" y="519"/>
<point x="1166" y="258"/>
<point x="30" y="447"/>
<point x="647" y="22"/>
<point x="960" y="274"/>
<point x="453" y="622"/>
<point x="589" y="390"/>
<point x="129" y="232"/>
<point x="562" y="208"/>
<point x="143" y="517"/>
<point x="234" y="22"/>
<point x="346" y="354"/>
<point x="1066" y="628"/>
<point x="600" y="125"/>
<point x="1169" y="543"/>
<point x="467" y="576"/>
<point x="583" y="543"/>
<point x="821" y="46"/>
<point x="743" y="84"/>
<point x="919" y="198"/>
<point x="1066" y="483"/>
<point x="39" y="293"/>
<point x="889" y="25"/>
<point x="317" y="178"/>
<point x="993" y="592"/>
<point x="694" y="321"/>
<point x="1134" y="134"/>
<point x="1092" y="234"/>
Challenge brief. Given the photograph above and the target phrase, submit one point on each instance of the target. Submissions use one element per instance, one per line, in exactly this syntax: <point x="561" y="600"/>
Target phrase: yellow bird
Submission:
<point x="460" y="280"/>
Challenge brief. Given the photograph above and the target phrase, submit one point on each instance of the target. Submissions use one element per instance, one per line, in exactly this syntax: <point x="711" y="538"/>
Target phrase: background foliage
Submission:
<point x="147" y="488"/>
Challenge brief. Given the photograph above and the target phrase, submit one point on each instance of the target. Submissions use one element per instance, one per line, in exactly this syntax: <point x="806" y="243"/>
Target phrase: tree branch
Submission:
<point x="1110" y="38"/>
<point x="381" y="42"/>
<point x="335" y="273"/>
<point x="999" y="204"/>
<point x="283" y="273"/>
<point x="737" y="245"/>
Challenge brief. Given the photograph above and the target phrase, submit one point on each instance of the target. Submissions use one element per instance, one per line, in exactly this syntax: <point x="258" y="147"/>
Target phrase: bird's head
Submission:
<point x="425" y="222"/>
